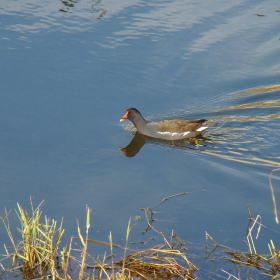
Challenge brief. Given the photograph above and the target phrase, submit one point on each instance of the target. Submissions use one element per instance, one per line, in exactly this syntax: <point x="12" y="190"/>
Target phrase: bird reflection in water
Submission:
<point x="139" y="140"/>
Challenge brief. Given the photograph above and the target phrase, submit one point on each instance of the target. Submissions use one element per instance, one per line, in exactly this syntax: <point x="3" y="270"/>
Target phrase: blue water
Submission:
<point x="66" y="78"/>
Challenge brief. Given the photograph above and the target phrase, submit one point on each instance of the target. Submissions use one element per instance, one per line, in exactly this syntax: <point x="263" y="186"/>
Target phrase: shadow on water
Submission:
<point x="139" y="140"/>
<point x="245" y="132"/>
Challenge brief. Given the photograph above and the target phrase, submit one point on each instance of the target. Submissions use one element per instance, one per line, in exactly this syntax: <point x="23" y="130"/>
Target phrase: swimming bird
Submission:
<point x="166" y="129"/>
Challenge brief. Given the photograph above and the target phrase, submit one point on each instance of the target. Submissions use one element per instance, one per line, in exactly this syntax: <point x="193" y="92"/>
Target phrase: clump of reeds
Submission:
<point x="159" y="262"/>
<point x="266" y="264"/>
<point x="38" y="255"/>
<point x="37" y="252"/>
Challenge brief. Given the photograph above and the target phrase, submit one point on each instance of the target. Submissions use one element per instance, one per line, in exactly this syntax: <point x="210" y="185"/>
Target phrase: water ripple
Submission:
<point x="245" y="132"/>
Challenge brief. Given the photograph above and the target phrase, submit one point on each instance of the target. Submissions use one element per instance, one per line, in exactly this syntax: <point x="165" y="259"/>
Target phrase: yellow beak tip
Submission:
<point x="121" y="120"/>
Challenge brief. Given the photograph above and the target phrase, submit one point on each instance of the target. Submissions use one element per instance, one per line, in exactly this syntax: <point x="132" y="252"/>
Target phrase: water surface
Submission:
<point x="67" y="76"/>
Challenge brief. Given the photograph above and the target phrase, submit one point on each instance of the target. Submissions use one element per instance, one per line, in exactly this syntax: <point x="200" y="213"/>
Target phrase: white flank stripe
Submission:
<point x="185" y="133"/>
<point x="202" y="128"/>
<point x="167" y="132"/>
<point x="175" y="133"/>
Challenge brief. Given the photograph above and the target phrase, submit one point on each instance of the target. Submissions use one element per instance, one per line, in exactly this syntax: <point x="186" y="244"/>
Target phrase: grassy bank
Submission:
<point x="40" y="253"/>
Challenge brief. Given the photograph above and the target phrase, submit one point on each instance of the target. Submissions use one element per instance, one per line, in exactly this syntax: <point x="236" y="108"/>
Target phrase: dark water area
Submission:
<point x="67" y="76"/>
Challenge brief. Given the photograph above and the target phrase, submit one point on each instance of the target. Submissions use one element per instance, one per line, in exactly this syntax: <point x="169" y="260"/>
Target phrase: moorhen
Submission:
<point x="167" y="129"/>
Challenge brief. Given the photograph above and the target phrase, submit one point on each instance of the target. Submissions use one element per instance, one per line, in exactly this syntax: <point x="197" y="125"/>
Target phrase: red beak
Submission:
<point x="124" y="116"/>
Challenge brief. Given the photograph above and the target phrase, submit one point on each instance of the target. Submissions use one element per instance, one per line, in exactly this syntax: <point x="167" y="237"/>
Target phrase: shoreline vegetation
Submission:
<point x="40" y="255"/>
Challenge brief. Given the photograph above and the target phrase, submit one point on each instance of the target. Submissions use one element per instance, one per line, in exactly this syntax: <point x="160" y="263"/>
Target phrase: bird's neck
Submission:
<point x="139" y="123"/>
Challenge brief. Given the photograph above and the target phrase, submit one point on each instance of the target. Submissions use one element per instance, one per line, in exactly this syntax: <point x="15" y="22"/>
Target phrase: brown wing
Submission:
<point x="178" y="126"/>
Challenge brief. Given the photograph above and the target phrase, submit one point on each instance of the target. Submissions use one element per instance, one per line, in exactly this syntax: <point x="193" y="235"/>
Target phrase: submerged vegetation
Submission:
<point x="39" y="254"/>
